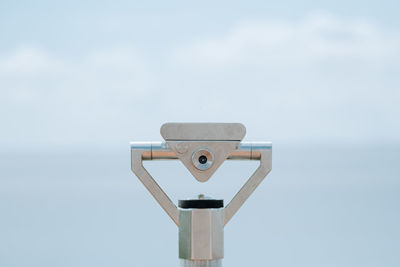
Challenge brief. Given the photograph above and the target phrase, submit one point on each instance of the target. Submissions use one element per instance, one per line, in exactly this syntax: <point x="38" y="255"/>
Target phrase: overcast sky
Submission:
<point x="105" y="73"/>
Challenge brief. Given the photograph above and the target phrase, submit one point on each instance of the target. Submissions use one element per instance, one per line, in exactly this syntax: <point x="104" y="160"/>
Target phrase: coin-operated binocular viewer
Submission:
<point x="202" y="148"/>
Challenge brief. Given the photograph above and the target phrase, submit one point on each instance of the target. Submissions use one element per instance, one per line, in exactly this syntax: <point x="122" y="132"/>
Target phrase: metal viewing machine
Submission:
<point x="202" y="148"/>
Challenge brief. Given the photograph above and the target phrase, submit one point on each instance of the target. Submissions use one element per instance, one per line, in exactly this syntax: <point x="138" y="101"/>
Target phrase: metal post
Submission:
<point x="201" y="232"/>
<point x="202" y="148"/>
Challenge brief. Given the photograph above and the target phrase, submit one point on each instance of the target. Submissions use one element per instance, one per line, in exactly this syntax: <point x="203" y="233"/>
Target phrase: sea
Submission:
<point x="321" y="205"/>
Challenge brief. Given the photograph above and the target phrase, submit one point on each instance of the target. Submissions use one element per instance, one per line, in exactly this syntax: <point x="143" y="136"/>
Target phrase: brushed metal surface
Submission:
<point x="201" y="234"/>
<point x="219" y="149"/>
<point x="203" y="131"/>
<point x="161" y="151"/>
<point x="200" y="263"/>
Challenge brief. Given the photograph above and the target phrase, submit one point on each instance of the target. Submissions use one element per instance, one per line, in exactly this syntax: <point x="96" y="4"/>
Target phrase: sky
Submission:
<point x="102" y="74"/>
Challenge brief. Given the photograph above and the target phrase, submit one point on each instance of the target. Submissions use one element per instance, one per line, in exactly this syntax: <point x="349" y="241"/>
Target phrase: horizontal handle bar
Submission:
<point x="161" y="151"/>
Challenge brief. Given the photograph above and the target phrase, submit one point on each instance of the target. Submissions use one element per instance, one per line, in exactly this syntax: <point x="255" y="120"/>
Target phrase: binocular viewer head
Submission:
<point x="202" y="147"/>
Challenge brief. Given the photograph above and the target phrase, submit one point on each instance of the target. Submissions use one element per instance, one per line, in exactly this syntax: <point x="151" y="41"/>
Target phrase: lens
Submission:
<point x="203" y="159"/>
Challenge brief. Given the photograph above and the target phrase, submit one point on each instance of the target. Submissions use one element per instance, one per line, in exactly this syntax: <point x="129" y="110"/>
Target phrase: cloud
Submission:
<point x="314" y="38"/>
<point x="55" y="100"/>
<point x="319" y="78"/>
<point x="26" y="60"/>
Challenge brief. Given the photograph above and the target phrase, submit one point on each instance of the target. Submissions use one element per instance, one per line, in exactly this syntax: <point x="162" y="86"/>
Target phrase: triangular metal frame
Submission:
<point x="220" y="150"/>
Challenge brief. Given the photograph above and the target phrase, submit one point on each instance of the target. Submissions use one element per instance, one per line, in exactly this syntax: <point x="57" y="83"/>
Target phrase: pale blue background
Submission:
<point x="78" y="81"/>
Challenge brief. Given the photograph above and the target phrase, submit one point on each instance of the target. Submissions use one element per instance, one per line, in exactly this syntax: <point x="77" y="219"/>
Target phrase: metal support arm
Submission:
<point x="140" y="151"/>
<point x="151" y="185"/>
<point x="248" y="188"/>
